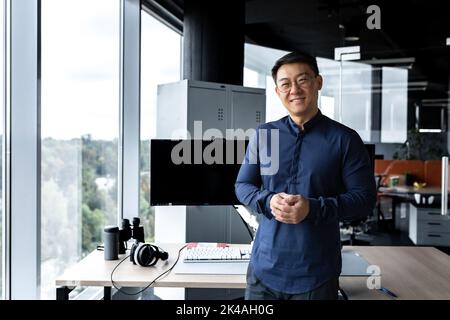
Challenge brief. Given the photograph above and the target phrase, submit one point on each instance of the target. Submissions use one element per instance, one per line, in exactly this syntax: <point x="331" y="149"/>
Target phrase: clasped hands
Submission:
<point x="289" y="208"/>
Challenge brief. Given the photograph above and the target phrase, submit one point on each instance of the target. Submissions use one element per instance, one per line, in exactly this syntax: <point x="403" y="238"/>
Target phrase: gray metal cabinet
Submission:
<point x="208" y="105"/>
<point x="218" y="106"/>
<point x="428" y="227"/>
<point x="254" y="104"/>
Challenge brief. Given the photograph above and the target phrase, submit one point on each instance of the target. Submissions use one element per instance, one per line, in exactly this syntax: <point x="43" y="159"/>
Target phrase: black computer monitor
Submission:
<point x="196" y="182"/>
<point x="433" y="118"/>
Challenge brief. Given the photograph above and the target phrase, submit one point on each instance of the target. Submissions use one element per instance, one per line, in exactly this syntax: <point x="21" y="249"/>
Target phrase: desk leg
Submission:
<point x="106" y="293"/>
<point x="62" y="293"/>
<point x="395" y="201"/>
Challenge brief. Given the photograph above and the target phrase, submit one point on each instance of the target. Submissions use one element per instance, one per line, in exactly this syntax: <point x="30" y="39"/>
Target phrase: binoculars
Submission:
<point x="127" y="231"/>
<point x="115" y="239"/>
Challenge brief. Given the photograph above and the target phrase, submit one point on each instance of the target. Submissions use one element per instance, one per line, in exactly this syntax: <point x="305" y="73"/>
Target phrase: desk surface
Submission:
<point x="410" y="190"/>
<point x="93" y="270"/>
<point x="410" y="272"/>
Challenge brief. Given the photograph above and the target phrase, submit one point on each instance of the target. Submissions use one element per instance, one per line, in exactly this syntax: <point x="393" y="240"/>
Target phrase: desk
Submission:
<point x="410" y="272"/>
<point x="93" y="270"/>
<point x="408" y="190"/>
<point x="400" y="194"/>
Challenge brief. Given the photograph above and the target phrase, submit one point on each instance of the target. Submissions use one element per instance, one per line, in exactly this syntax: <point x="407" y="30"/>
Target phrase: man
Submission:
<point x="324" y="175"/>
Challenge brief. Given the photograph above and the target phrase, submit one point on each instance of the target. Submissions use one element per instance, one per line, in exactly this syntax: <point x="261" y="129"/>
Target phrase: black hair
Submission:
<point x="295" y="57"/>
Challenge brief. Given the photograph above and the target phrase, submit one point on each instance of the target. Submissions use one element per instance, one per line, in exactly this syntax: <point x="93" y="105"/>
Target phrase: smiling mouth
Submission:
<point x="297" y="99"/>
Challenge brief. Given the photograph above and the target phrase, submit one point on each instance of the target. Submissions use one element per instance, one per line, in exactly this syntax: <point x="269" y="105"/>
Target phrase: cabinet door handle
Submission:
<point x="434" y="223"/>
<point x="434" y="213"/>
<point x="434" y="235"/>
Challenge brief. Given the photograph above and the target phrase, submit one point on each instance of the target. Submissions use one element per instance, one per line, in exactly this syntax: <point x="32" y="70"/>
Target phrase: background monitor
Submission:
<point x="433" y="119"/>
<point x="194" y="183"/>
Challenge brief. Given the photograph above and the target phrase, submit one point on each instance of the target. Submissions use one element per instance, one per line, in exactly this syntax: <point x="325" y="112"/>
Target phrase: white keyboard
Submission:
<point x="217" y="254"/>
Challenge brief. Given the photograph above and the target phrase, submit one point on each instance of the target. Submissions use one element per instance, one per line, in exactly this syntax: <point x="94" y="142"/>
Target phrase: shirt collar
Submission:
<point x="308" y="125"/>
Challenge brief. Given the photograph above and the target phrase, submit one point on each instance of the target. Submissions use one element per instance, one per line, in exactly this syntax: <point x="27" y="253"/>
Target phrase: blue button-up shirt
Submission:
<point x="328" y="163"/>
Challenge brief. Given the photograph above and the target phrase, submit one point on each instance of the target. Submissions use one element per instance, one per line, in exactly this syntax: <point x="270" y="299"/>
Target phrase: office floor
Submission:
<point x="390" y="239"/>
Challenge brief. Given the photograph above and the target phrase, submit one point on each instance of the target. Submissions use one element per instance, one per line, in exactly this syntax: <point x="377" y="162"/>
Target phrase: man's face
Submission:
<point x="298" y="87"/>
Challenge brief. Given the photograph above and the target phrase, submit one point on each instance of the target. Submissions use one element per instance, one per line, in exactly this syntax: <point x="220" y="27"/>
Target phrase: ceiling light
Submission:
<point x="351" y="29"/>
<point x="430" y="130"/>
<point x="351" y="38"/>
<point x="448" y="41"/>
<point x="347" y="53"/>
<point x="395" y="61"/>
<point x="350" y="56"/>
<point x="435" y="100"/>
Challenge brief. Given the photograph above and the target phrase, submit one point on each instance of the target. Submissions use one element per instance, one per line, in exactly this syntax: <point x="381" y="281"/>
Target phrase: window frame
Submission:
<point x="22" y="136"/>
<point x="129" y="132"/>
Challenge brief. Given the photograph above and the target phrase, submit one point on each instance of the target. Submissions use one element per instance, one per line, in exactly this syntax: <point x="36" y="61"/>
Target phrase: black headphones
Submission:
<point x="146" y="255"/>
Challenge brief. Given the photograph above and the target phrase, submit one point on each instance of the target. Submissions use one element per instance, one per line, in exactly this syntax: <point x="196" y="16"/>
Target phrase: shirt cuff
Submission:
<point x="314" y="209"/>
<point x="263" y="204"/>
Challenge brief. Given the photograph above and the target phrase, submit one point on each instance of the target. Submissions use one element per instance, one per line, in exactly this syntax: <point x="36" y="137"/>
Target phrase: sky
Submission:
<point x="80" y="68"/>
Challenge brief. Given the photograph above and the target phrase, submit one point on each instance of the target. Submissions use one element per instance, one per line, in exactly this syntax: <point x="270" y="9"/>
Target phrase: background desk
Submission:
<point x="409" y="272"/>
<point x="401" y="194"/>
<point x="404" y="190"/>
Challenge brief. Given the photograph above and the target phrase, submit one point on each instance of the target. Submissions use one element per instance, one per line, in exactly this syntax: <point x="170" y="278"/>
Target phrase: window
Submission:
<point x="329" y="95"/>
<point x="160" y="63"/>
<point x="346" y="95"/>
<point x="257" y="73"/>
<point x="357" y="97"/>
<point x="394" y="104"/>
<point x="253" y="79"/>
<point x="2" y="135"/>
<point x="356" y="109"/>
<point x="79" y="129"/>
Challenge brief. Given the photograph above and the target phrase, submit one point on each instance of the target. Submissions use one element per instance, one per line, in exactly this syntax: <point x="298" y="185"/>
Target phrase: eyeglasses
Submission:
<point x="303" y="82"/>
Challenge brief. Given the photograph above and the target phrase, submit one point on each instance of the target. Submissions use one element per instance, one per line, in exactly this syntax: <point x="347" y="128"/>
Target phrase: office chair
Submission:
<point x="357" y="226"/>
<point x="382" y="223"/>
